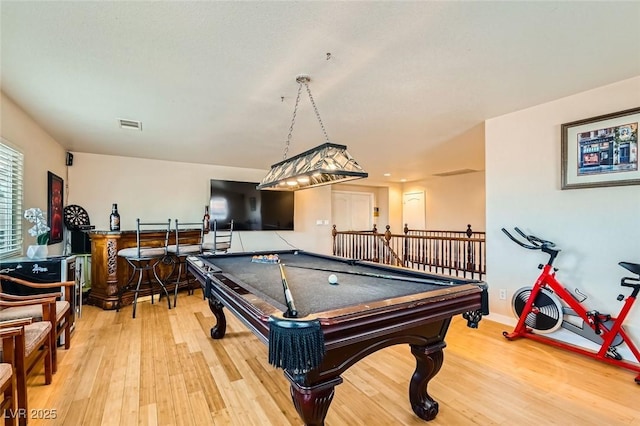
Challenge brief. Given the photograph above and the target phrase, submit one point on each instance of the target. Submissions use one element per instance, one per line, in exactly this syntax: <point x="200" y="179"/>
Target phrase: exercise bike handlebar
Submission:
<point x="536" y="243"/>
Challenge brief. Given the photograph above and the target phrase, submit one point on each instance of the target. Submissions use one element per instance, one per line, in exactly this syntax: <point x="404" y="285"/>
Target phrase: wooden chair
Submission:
<point x="62" y="310"/>
<point x="31" y="348"/>
<point x="144" y="257"/>
<point x="8" y="386"/>
<point x="188" y="241"/>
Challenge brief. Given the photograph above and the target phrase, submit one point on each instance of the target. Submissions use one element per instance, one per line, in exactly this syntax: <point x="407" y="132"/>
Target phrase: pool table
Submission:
<point x="371" y="306"/>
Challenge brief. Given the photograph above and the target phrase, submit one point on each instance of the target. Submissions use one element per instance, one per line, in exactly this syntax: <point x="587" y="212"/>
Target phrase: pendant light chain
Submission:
<point x="303" y="80"/>
<point x="315" y="108"/>
<point x="293" y="121"/>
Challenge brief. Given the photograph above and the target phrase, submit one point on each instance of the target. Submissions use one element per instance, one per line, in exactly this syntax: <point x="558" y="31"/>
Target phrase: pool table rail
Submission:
<point x="254" y="308"/>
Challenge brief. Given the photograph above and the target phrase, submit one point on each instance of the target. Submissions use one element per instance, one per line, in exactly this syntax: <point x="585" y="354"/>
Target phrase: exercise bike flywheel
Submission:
<point x="546" y="315"/>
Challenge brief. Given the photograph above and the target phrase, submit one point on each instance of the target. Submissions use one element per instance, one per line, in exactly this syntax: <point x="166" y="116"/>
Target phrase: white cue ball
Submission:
<point x="333" y="279"/>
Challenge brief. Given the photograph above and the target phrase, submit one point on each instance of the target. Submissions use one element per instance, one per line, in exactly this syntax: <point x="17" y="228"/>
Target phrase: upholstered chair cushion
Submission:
<point x="184" y="249"/>
<point x="6" y="370"/>
<point x="33" y="311"/>
<point x="33" y="334"/>
<point x="132" y="252"/>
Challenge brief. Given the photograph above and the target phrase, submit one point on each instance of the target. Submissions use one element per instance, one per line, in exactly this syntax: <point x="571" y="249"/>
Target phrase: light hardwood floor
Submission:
<point x="162" y="368"/>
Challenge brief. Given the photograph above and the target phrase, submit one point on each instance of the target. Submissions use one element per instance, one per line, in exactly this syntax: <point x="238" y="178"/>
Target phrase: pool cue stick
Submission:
<point x="372" y="275"/>
<point x="288" y="297"/>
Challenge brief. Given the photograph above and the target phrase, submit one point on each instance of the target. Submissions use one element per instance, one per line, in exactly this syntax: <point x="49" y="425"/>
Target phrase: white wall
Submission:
<point x="161" y="190"/>
<point x="452" y="202"/>
<point x="595" y="228"/>
<point x="395" y="209"/>
<point x="41" y="155"/>
<point x="464" y="151"/>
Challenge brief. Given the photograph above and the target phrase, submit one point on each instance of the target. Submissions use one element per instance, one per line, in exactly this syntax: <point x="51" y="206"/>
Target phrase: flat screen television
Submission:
<point x="250" y="209"/>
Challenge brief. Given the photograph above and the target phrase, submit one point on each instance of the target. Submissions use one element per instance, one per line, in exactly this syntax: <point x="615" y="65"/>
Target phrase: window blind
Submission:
<point x="11" y="171"/>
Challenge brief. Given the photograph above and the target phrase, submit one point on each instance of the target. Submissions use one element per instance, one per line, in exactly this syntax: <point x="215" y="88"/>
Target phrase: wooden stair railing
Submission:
<point x="456" y="253"/>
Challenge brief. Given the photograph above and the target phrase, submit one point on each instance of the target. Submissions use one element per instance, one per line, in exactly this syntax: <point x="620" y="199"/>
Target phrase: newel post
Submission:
<point x="376" y="258"/>
<point x="470" y="260"/>
<point x="334" y="232"/>
<point x="387" y="239"/>
<point x="405" y="251"/>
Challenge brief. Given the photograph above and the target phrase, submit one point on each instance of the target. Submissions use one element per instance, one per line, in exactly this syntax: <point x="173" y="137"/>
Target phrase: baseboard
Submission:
<point x="502" y="319"/>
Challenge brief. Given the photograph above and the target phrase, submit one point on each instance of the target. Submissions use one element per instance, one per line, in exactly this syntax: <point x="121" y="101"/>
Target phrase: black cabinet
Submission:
<point x="50" y="270"/>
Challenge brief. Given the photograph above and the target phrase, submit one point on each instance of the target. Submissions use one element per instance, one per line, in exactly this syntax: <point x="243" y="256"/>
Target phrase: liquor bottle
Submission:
<point x="114" y="219"/>
<point x="206" y="218"/>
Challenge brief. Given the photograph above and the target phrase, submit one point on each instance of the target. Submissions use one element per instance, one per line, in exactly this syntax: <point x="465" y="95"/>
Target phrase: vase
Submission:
<point x="37" y="251"/>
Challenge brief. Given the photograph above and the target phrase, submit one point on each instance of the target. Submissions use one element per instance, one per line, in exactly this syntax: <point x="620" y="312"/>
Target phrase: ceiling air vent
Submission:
<point x="130" y="124"/>
<point x="455" y="172"/>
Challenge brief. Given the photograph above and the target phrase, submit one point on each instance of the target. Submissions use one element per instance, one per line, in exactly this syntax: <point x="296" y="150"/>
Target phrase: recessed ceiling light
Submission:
<point x="130" y="124"/>
<point x="403" y="180"/>
<point x="387" y="174"/>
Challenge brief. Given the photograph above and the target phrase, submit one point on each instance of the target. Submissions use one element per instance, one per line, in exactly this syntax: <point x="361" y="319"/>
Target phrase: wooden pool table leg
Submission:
<point x="218" y="331"/>
<point x="429" y="360"/>
<point x="312" y="402"/>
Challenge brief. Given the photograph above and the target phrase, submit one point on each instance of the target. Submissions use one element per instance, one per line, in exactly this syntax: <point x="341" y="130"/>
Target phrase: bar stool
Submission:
<point x="188" y="241"/>
<point x="222" y="234"/>
<point x="150" y="249"/>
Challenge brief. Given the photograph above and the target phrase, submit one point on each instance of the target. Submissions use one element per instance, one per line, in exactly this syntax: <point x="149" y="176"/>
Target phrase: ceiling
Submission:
<point x="406" y="84"/>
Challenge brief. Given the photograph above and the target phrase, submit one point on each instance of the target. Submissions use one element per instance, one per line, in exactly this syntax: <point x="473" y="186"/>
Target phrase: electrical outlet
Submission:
<point x="503" y="294"/>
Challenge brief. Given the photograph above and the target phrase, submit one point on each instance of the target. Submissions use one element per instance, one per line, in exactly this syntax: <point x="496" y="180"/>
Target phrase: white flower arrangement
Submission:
<point x="40" y="230"/>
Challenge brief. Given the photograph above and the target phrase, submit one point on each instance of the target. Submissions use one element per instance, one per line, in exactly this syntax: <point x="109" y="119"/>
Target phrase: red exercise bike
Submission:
<point x="544" y="307"/>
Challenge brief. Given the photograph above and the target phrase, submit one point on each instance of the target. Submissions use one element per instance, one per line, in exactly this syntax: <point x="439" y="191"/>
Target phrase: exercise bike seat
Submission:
<point x="631" y="267"/>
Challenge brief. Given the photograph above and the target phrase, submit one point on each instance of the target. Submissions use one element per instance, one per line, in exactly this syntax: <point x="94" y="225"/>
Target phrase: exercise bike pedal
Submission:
<point x="613" y="353"/>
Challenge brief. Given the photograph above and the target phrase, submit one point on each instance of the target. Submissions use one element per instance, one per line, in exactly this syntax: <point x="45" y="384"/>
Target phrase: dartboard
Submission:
<point x="75" y="217"/>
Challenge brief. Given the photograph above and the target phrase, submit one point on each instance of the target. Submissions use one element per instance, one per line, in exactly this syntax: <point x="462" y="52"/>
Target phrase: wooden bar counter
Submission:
<point x="109" y="272"/>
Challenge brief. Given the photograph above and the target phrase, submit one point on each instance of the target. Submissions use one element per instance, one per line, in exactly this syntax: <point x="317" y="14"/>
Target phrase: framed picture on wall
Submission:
<point x="55" y="191"/>
<point x="601" y="151"/>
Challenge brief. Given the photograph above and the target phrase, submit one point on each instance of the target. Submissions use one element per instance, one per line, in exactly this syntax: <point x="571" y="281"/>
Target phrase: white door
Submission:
<point x="352" y="211"/>
<point x="361" y="212"/>
<point x="341" y="210"/>
<point x="413" y="210"/>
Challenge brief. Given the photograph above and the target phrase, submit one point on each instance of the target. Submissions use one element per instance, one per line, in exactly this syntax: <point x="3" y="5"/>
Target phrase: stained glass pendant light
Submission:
<point x="325" y="164"/>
